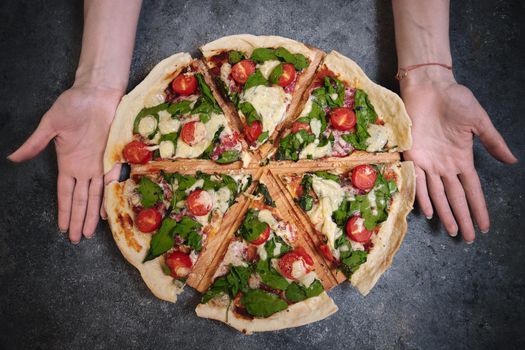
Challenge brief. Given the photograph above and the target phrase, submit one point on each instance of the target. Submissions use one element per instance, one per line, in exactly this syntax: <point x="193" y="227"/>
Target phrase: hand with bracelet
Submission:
<point x="80" y="118"/>
<point x="445" y="117"/>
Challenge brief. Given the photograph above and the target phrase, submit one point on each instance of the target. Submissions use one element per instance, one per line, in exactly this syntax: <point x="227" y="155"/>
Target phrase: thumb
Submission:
<point x="492" y="140"/>
<point x="35" y="143"/>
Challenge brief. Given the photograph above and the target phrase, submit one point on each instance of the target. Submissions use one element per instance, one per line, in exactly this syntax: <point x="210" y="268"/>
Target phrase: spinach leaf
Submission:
<point x="270" y="276"/>
<point x="150" y="192"/>
<point x="291" y="145"/>
<point x="230" y="183"/>
<point x="187" y="229"/>
<point x="350" y="264"/>
<point x="306" y="202"/>
<point x="173" y="137"/>
<point x="153" y="111"/>
<point x="295" y="292"/>
<point x="255" y="79"/>
<point x="263" y="137"/>
<point x="259" y="303"/>
<point x="183" y="181"/>
<point x="298" y="60"/>
<point x="251" y="227"/>
<point x="271" y="245"/>
<point x="328" y="176"/>
<point x="206" y="92"/>
<point x="365" y="115"/>
<point x="227" y="157"/>
<point x="235" y="57"/>
<point x="306" y="183"/>
<point x="261" y="54"/>
<point x="181" y="107"/>
<point x="276" y="74"/>
<point x="209" y="150"/>
<point x="316" y="113"/>
<point x="162" y="241"/>
<point x="330" y="90"/>
<point x="236" y="280"/>
<point x="263" y="190"/>
<point x="249" y="112"/>
<point x="220" y="286"/>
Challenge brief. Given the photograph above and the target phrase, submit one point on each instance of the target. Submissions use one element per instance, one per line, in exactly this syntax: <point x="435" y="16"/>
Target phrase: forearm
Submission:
<point x="422" y="35"/>
<point x="107" y="43"/>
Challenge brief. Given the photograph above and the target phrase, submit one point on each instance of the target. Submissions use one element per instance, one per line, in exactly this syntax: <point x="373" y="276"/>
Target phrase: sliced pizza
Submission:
<point x="343" y="111"/>
<point x="268" y="276"/>
<point x="168" y="224"/>
<point x="357" y="216"/>
<point x="263" y="79"/>
<point x="173" y="114"/>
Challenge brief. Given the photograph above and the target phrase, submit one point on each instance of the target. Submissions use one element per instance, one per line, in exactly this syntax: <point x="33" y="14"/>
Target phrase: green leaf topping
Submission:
<point x="251" y="227"/>
<point x="295" y="292"/>
<point x="162" y="241"/>
<point x="235" y="56"/>
<point x="255" y="79"/>
<point x="150" y="192"/>
<point x="263" y="190"/>
<point x="259" y="303"/>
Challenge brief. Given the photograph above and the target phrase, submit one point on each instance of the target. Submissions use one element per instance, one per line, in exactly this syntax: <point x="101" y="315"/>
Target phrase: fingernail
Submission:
<point x="485" y="232"/>
<point x="429" y="217"/>
<point x="75" y="242"/>
<point x="62" y="231"/>
<point x="469" y="242"/>
<point x="105" y="218"/>
<point x="89" y="236"/>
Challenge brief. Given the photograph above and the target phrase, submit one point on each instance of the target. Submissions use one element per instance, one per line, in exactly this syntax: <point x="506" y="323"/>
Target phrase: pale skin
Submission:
<point x="80" y="118"/>
<point x="445" y="118"/>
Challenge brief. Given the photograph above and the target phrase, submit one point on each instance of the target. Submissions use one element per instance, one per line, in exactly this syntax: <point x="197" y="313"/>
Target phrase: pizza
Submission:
<point x="262" y="175"/>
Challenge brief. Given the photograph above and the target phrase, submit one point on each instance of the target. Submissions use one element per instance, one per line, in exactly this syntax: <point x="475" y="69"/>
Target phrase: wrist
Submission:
<point x="99" y="77"/>
<point x="427" y="75"/>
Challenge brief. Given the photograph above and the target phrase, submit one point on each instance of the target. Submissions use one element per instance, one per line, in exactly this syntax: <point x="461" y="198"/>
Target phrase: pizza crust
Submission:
<point x="387" y="104"/>
<point x="392" y="232"/>
<point x="299" y="314"/>
<point x="134" y="244"/>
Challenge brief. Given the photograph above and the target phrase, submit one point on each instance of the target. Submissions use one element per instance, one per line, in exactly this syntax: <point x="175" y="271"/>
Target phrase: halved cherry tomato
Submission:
<point x="299" y="190"/>
<point x="179" y="264"/>
<point x="288" y="75"/>
<point x="242" y="70"/>
<point x="199" y="202"/>
<point x="184" y="84"/>
<point x="136" y="152"/>
<point x="263" y="237"/>
<point x="356" y="230"/>
<point x="325" y="249"/>
<point x="148" y="220"/>
<point x="287" y="261"/>
<point x="193" y="133"/>
<point x="364" y="177"/>
<point x="253" y="131"/>
<point x="343" y="119"/>
<point x="297" y="126"/>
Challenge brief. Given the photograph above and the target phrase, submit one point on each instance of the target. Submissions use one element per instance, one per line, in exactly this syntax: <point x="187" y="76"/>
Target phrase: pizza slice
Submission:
<point x="357" y="216"/>
<point x="268" y="276"/>
<point x="342" y="112"/>
<point x="168" y="224"/>
<point x="173" y="114"/>
<point x="262" y="78"/>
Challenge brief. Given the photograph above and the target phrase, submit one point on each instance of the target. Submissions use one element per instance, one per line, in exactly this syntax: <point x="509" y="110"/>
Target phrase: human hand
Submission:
<point x="79" y="122"/>
<point x="445" y="117"/>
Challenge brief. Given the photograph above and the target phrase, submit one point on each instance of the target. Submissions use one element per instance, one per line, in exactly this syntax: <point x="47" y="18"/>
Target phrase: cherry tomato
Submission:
<point x="179" y="264"/>
<point x="193" y="133"/>
<point x="297" y="126"/>
<point x="262" y="237"/>
<point x="184" y="84"/>
<point x="148" y="220"/>
<point x="136" y="152"/>
<point x="356" y="230"/>
<point x="343" y="119"/>
<point x="199" y="202"/>
<point x="288" y="75"/>
<point x="253" y="131"/>
<point x="287" y="261"/>
<point x="364" y="177"/>
<point x="325" y="249"/>
<point x="242" y="70"/>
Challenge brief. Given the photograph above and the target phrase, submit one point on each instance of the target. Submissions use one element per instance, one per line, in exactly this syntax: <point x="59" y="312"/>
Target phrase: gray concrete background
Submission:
<point x="439" y="293"/>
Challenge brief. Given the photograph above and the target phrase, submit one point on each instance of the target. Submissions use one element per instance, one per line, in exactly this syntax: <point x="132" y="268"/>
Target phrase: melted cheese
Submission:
<point x="234" y="256"/>
<point x="166" y="149"/>
<point x="315" y="125"/>
<point x="147" y="126"/>
<point x="226" y="69"/>
<point x="199" y="183"/>
<point x="316" y="152"/>
<point x="266" y="216"/>
<point x="270" y="103"/>
<point x="378" y="138"/>
<point x="262" y="252"/>
<point x="167" y="124"/>
<point x="267" y="67"/>
<point x="186" y="151"/>
<point x="298" y="269"/>
<point x="154" y="98"/>
<point x="307" y="279"/>
<point x="307" y="108"/>
<point x="221" y="198"/>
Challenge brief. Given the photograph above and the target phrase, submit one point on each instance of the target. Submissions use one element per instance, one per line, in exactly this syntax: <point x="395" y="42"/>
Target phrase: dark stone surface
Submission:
<point x="439" y="293"/>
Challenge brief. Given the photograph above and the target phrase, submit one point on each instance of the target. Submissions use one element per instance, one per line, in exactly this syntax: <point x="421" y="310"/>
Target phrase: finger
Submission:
<point x="439" y="199"/>
<point x="35" y="143"/>
<point x="422" y="193"/>
<point x="93" y="206"/>
<point x="65" y="186"/>
<point x="492" y="140"/>
<point x="458" y="203"/>
<point x="78" y="211"/>
<point x="112" y="175"/>
<point x="476" y="199"/>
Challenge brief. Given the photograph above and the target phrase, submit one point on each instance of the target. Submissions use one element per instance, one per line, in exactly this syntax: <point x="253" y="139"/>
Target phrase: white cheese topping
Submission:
<point x="378" y="138"/>
<point x="186" y="151"/>
<point x="226" y="69"/>
<point x="270" y="103"/>
<point x="267" y="67"/>
<point x="334" y="96"/>
<point x="277" y="249"/>
<point x="316" y="152"/>
<point x="221" y="198"/>
<point x="147" y="125"/>
<point x="315" y="125"/>
<point x="308" y="279"/>
<point x="234" y="256"/>
<point x="154" y="98"/>
<point x="298" y="269"/>
<point x="307" y="108"/>
<point x="262" y="252"/>
<point x="166" y="149"/>
<point x="167" y="124"/>
<point x="197" y="184"/>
